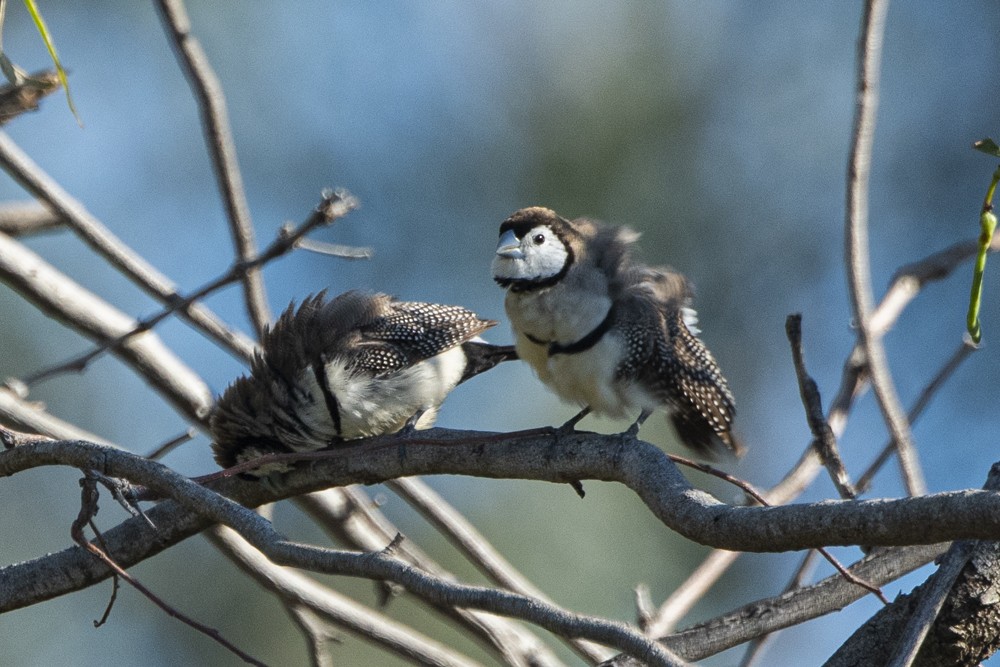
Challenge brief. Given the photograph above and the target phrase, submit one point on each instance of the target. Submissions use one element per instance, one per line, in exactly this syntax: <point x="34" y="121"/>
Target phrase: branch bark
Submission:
<point x="969" y="514"/>
<point x="856" y="242"/>
<point x="63" y="299"/>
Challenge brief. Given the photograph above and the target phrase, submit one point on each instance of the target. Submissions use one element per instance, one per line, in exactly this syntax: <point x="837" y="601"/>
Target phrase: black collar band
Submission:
<point x="529" y="284"/>
<point x="582" y="345"/>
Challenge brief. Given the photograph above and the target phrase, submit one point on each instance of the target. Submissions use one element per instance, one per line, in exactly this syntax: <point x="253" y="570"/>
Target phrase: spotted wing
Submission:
<point x="408" y="332"/>
<point x="673" y="365"/>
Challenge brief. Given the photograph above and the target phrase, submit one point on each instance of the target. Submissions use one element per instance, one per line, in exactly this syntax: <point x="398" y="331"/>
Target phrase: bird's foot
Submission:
<point x="411" y="424"/>
<point x="633" y="430"/>
<point x="570" y="426"/>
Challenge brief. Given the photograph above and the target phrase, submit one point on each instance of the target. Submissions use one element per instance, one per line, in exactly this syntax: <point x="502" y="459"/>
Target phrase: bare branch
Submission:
<point x="965" y="348"/>
<point x="27" y="218"/>
<point x="63" y="299"/>
<point x="333" y="206"/>
<point x="32" y="417"/>
<point x="824" y="439"/>
<point x="788" y="609"/>
<point x="643" y="467"/>
<point x="856" y="226"/>
<point x="758" y="646"/>
<point x="968" y="514"/>
<point x="935" y="591"/>
<point x="965" y="631"/>
<point x="215" y="124"/>
<point x="688" y="593"/>
<point x="107" y="245"/>
<point x="333" y="607"/>
<point x="335" y="249"/>
<point x="347" y="514"/>
<point x="475" y="547"/>
<point x="172" y="443"/>
<point x="88" y="508"/>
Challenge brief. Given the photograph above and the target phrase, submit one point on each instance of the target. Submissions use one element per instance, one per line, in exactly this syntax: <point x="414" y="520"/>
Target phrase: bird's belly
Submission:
<point x="370" y="407"/>
<point x="588" y="378"/>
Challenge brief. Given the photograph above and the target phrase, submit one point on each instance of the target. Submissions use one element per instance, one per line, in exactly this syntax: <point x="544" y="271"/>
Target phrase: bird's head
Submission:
<point x="536" y="249"/>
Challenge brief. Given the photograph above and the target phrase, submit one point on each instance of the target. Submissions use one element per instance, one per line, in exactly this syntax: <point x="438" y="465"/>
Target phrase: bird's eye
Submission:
<point x="538" y="239"/>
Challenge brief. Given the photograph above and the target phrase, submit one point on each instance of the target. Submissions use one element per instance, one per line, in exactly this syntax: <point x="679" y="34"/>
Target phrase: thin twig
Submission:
<point x="170" y="445"/>
<point x="690" y="592"/>
<point x="718" y="561"/>
<point x="476" y="548"/>
<point x="333" y="207"/>
<point x="856" y="242"/>
<point x="334" y="249"/>
<point x="965" y="348"/>
<point x="88" y="508"/>
<point x="64" y="299"/>
<point x="333" y="607"/>
<point x="218" y="135"/>
<point x="824" y="439"/>
<point x="755" y="649"/>
<point x="31" y="177"/>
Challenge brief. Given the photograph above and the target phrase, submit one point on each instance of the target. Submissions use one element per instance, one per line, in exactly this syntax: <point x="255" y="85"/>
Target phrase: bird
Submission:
<point x="356" y="366"/>
<point x="607" y="332"/>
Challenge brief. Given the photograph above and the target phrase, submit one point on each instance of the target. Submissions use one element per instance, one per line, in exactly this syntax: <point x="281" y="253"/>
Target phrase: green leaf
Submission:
<point x="44" y="32"/>
<point x="987" y="146"/>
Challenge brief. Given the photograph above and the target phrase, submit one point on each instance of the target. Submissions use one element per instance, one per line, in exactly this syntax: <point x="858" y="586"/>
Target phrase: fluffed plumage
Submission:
<point x="357" y="366"/>
<point x="607" y="332"/>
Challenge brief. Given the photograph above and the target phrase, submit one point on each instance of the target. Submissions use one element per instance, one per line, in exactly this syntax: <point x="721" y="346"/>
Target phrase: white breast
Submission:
<point x="588" y="378"/>
<point x="566" y="315"/>
<point x="370" y="406"/>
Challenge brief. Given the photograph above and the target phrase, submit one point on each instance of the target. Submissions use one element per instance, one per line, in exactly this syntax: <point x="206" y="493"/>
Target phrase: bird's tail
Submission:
<point x="697" y="434"/>
<point x="483" y="356"/>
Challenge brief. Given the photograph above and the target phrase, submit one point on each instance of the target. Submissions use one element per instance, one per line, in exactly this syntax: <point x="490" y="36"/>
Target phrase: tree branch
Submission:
<point x="771" y="614"/>
<point x="347" y="515"/>
<point x="334" y="607"/>
<point x="215" y="125"/>
<point x="968" y="514"/>
<point x="941" y="622"/>
<point x="856" y="241"/>
<point x="63" y="299"/>
<point x="824" y="440"/>
<point x="476" y="548"/>
<point x="28" y="218"/>
<point x="31" y="177"/>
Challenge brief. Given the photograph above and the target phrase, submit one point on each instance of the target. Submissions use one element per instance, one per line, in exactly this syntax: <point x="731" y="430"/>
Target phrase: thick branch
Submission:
<point x="336" y="608"/>
<point x="31" y="177"/>
<point x="63" y="299"/>
<point x="953" y="618"/>
<point x="28" y="218"/>
<point x="788" y="609"/>
<point x="970" y="514"/>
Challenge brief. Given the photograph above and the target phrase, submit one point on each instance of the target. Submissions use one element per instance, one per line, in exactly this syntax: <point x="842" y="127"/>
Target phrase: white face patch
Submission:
<point x="540" y="254"/>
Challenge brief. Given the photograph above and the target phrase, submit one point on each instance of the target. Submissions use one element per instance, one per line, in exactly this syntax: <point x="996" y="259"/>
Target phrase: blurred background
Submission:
<point x="719" y="130"/>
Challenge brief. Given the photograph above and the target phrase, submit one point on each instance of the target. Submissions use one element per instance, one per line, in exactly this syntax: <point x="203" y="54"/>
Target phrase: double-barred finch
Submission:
<point x="610" y="334"/>
<point x="360" y="365"/>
